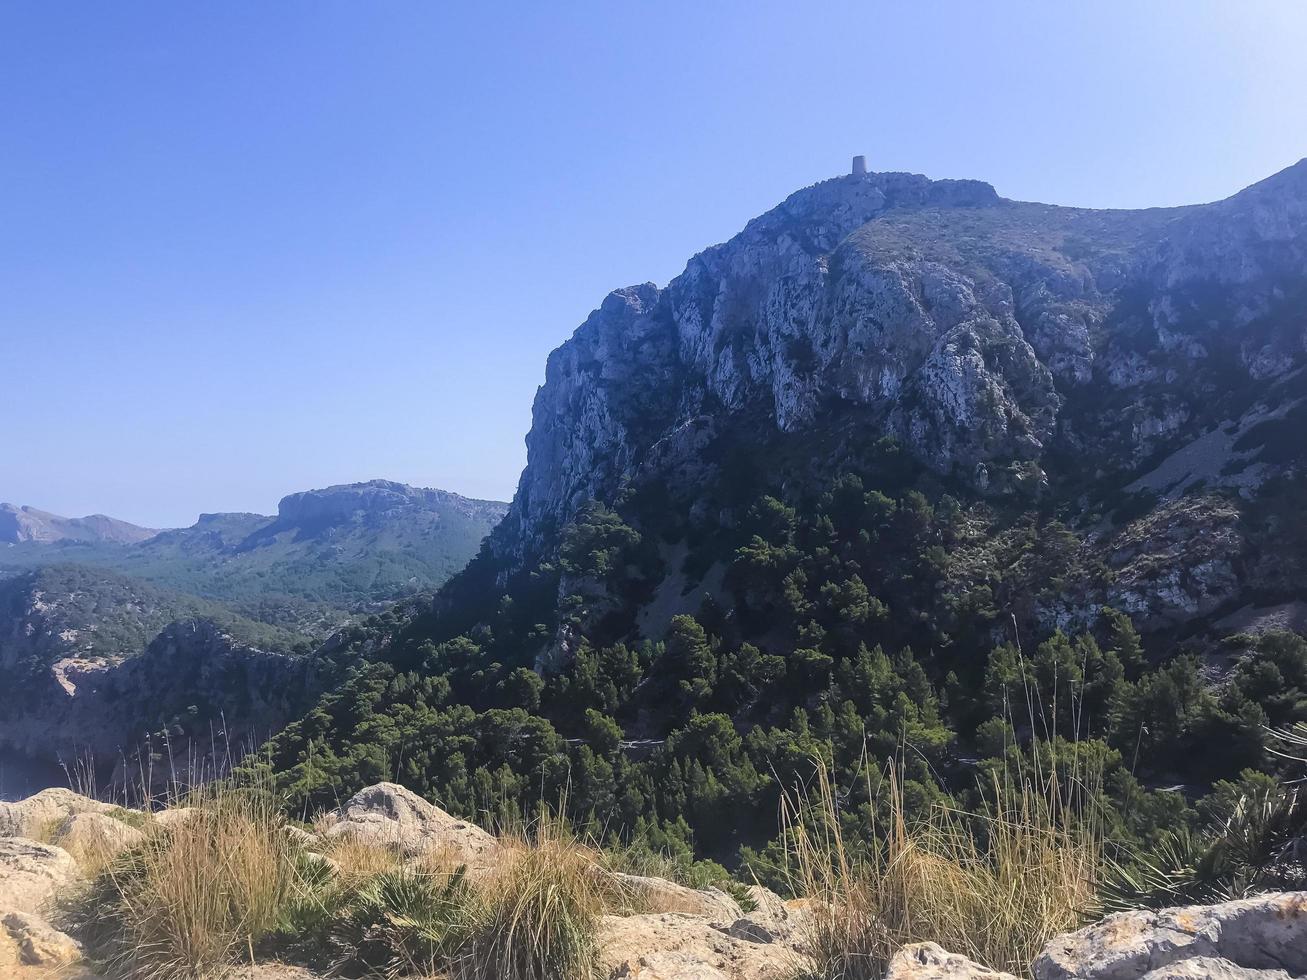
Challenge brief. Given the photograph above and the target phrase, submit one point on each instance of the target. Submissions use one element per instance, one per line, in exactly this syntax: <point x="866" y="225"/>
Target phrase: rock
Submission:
<point x="392" y="816"/>
<point x="1240" y="939"/>
<point x="45" y="810"/>
<point x="676" y="946"/>
<point x="32" y="873"/>
<point x="930" y="961"/>
<point x="174" y="815"/>
<point x="774" y="920"/>
<point x="660" y="895"/>
<point x="38" y="942"/>
<point x="1206" y="968"/>
<point x="95" y="839"/>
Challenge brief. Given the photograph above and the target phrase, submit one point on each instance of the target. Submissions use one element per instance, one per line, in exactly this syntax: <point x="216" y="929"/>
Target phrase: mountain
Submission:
<point x="343" y="548"/>
<point x="22" y="524"/>
<point x="905" y="471"/>
<point x="1002" y="344"/>
<point x="109" y="637"/>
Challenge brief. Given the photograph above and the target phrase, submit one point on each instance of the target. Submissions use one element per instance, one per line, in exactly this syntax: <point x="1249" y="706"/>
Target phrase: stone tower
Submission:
<point x="859" y="166"/>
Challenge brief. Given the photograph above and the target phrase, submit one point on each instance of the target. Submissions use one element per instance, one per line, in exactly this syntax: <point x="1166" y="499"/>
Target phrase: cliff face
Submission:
<point x="1006" y="345"/>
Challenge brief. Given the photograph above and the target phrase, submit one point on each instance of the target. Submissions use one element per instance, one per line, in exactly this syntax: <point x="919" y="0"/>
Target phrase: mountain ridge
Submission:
<point x="21" y="523"/>
<point x="916" y="300"/>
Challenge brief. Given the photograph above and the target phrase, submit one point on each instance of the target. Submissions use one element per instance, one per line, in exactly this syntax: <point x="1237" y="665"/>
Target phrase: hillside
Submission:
<point x="105" y="642"/>
<point x="326" y="552"/>
<point x="905" y="470"/>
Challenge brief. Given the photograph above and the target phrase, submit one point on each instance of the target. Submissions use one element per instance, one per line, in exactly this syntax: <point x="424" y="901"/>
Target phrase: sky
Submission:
<point x="258" y="246"/>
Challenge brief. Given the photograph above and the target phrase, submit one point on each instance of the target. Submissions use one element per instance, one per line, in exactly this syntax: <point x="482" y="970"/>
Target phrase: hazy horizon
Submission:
<point x="257" y="249"/>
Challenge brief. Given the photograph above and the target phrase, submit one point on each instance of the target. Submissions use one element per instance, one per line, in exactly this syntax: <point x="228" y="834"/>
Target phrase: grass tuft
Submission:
<point x="198" y="894"/>
<point x="994" y="886"/>
<point x="542" y="909"/>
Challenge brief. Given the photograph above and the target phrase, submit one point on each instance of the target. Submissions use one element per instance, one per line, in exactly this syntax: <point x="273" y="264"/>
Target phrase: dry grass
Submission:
<point x="542" y="906"/>
<point x="357" y="858"/>
<point x="200" y="892"/>
<point x="93" y="854"/>
<point x="994" y="886"/>
<point x="204" y="893"/>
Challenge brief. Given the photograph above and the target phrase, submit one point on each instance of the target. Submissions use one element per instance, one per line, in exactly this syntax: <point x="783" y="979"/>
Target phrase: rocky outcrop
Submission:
<point x="45" y="810"/>
<point x="1262" y="938"/>
<point x="680" y="946"/>
<point x="930" y="961"/>
<point x="1001" y="342"/>
<point x="31" y="873"/>
<point x="391" y="816"/>
<point x="37" y="942"/>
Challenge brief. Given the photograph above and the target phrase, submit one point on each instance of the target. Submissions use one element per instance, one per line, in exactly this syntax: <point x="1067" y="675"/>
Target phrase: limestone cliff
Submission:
<point x="1006" y="345"/>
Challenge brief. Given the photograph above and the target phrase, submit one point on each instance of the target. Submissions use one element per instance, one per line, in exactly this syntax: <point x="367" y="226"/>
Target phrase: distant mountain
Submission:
<point x="344" y="548"/>
<point x="109" y="631"/>
<point x="22" y="524"/>
<point x="72" y="613"/>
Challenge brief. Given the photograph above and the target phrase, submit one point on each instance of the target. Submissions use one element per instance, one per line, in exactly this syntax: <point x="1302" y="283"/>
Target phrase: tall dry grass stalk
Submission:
<point x="542" y="905"/>
<point x="994" y="886"/>
<point x="202" y="890"/>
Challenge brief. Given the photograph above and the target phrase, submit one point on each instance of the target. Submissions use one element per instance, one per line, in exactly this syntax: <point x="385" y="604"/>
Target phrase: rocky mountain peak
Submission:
<point x="991" y="338"/>
<point x="373" y="500"/>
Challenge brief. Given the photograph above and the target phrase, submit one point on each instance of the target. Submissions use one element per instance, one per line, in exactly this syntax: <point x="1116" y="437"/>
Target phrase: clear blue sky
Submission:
<point x="251" y="247"/>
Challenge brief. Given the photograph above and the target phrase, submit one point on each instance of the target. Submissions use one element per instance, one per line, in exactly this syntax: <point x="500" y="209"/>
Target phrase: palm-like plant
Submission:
<point x="1260" y="845"/>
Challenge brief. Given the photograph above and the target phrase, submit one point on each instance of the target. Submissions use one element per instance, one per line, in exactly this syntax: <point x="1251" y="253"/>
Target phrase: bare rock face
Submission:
<point x="930" y="961"/>
<point x="678" y="946"/>
<point x="39" y="943"/>
<point x="31" y="874"/>
<point x="391" y="816"/>
<point x="1262" y="938"/>
<point x="45" y="810"/>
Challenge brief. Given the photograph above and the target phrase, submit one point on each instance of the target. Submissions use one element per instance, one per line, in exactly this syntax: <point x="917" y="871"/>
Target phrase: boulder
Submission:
<point x="37" y="942"/>
<point x="1251" y="939"/>
<point x="95" y="839"/>
<point x="32" y="873"/>
<point x="930" y="961"/>
<point x="45" y="809"/>
<point x="661" y="895"/>
<point x="392" y="816"/>
<point x="677" y="946"/>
